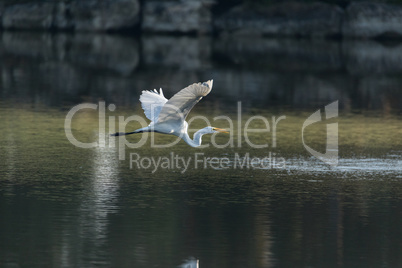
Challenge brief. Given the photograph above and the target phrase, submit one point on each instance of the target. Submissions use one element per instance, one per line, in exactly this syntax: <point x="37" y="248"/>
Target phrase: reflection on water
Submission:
<point x="349" y="166"/>
<point x="63" y="206"/>
<point x="64" y="68"/>
<point x="96" y="208"/>
<point x="191" y="263"/>
<point x="84" y="207"/>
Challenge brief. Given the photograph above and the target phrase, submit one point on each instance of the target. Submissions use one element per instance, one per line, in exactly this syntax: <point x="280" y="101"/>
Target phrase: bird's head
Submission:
<point x="215" y="129"/>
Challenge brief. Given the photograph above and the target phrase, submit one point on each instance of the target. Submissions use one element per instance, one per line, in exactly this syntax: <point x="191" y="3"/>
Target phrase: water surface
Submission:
<point x="63" y="206"/>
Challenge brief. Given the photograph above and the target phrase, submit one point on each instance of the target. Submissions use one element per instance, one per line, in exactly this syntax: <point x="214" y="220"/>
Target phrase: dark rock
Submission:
<point x="1" y="14"/>
<point x="370" y="20"/>
<point x="104" y="15"/>
<point x="177" y="17"/>
<point x="94" y="15"/>
<point x="286" y="19"/>
<point x="29" y="16"/>
<point x="62" y="17"/>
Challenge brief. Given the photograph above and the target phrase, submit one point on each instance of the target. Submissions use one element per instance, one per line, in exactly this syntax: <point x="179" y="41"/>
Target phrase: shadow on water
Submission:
<point x="63" y="206"/>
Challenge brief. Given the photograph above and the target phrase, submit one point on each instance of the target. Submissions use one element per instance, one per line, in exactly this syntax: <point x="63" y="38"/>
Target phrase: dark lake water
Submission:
<point x="65" y="206"/>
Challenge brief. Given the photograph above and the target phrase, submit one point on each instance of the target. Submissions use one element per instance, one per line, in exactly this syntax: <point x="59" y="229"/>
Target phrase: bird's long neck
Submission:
<point x="196" y="141"/>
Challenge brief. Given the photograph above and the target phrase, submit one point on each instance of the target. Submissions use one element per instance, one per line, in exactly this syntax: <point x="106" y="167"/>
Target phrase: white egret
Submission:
<point x="168" y="116"/>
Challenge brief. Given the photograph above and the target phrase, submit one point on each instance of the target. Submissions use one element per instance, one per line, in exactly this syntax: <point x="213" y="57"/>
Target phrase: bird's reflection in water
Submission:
<point x="190" y="263"/>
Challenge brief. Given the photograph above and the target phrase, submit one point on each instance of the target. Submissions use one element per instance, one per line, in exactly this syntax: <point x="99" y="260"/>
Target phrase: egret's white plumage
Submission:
<point x="168" y="116"/>
<point x="152" y="103"/>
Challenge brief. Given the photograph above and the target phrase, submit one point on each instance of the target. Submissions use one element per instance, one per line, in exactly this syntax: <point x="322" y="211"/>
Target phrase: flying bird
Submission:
<point x="169" y="116"/>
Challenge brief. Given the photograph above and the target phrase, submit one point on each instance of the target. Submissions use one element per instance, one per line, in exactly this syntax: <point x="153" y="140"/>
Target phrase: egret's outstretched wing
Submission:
<point x="152" y="103"/>
<point x="178" y="107"/>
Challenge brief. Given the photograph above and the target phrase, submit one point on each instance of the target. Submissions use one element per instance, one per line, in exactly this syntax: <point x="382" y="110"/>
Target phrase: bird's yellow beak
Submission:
<point x="220" y="130"/>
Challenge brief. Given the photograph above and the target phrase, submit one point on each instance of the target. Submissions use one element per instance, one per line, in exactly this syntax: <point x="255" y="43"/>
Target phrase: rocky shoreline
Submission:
<point x="291" y="19"/>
